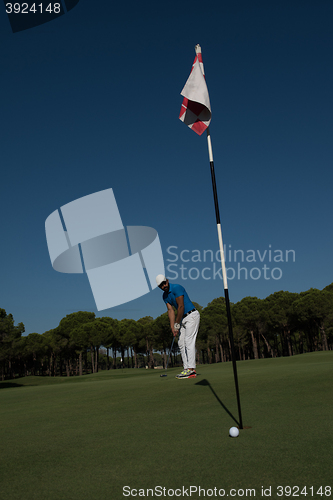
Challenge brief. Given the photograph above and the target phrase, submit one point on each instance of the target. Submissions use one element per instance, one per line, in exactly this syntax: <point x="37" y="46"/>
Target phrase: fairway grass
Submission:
<point x="88" y="437"/>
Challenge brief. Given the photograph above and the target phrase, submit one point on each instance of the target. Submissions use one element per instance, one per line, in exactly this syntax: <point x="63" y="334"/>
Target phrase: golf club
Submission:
<point x="164" y="374"/>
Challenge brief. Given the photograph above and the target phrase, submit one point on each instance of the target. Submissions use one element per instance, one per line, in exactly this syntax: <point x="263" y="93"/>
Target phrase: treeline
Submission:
<point x="283" y="324"/>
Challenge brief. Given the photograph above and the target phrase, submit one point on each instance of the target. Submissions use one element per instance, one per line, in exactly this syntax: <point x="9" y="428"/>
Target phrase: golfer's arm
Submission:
<point x="180" y="310"/>
<point x="171" y="314"/>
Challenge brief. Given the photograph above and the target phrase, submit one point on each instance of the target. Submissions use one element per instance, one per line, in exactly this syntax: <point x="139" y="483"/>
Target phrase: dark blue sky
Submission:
<point x="91" y="100"/>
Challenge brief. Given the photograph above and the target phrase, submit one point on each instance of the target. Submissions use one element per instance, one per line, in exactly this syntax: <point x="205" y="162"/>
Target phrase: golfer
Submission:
<point x="186" y="322"/>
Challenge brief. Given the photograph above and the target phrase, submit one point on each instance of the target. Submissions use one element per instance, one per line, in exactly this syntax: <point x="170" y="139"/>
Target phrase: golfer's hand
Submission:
<point x="175" y="332"/>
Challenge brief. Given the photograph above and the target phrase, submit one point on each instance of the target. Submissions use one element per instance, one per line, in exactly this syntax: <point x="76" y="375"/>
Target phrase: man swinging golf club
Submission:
<point x="186" y="323"/>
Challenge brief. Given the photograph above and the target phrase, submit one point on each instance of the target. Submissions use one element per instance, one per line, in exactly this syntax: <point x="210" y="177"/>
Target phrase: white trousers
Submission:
<point x="188" y="333"/>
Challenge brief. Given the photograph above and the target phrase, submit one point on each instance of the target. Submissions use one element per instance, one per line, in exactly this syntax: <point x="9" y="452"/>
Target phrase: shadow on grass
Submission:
<point x="205" y="382"/>
<point x="9" y="385"/>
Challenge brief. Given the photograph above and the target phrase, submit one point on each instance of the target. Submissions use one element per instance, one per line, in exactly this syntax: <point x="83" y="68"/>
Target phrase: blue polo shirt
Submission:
<point x="177" y="291"/>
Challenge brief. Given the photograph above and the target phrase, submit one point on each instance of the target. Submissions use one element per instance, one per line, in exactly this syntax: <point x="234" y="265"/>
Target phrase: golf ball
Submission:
<point x="233" y="432"/>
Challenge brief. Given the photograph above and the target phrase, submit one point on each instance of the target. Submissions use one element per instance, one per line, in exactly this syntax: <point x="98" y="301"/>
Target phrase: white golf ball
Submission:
<point x="233" y="432"/>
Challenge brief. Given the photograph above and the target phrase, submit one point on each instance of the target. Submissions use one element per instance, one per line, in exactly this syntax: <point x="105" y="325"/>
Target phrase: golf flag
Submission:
<point x="196" y="114"/>
<point x="195" y="111"/>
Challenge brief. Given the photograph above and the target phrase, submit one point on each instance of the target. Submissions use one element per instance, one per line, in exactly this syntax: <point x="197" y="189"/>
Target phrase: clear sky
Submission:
<point x="91" y="101"/>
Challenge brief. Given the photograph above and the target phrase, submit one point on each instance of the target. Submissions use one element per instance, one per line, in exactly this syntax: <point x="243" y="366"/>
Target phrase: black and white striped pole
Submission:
<point x="224" y="274"/>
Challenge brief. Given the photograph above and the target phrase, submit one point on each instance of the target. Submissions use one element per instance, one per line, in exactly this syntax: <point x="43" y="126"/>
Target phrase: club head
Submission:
<point x="164" y="375"/>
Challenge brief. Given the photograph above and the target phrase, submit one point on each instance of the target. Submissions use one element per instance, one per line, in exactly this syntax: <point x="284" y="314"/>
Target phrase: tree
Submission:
<point x="52" y="349"/>
<point x="149" y="338"/>
<point x="314" y="310"/>
<point x="127" y="337"/>
<point x="97" y="332"/>
<point x="10" y="336"/>
<point x="164" y="335"/>
<point x="213" y="331"/>
<point x="35" y="349"/>
<point x="72" y="338"/>
<point x="247" y="314"/>
<point x="328" y="288"/>
<point x="278" y="309"/>
<point x="110" y="337"/>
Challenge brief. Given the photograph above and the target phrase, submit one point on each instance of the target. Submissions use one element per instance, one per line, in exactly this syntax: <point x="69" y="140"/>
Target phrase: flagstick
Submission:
<point x="224" y="274"/>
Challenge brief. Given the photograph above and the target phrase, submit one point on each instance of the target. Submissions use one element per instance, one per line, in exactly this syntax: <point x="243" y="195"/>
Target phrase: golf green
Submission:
<point x="131" y="433"/>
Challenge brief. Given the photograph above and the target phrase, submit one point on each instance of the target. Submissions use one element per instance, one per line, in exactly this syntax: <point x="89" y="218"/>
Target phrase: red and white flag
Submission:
<point x="195" y="111"/>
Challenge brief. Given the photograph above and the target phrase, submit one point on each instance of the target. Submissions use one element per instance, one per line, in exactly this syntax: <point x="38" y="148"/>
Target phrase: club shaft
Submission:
<point x="170" y="353"/>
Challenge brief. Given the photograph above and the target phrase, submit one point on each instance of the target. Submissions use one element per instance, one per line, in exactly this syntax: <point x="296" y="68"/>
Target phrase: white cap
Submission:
<point x="159" y="279"/>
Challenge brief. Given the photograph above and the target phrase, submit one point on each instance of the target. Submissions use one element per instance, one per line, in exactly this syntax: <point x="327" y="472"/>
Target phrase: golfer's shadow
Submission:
<point x="205" y="382"/>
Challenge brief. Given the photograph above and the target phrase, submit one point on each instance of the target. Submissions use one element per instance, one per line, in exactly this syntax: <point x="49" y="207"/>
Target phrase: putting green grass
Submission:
<point x="88" y="437"/>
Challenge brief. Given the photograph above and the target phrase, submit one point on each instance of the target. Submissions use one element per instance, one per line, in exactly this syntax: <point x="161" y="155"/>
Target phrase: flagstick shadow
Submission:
<point x="205" y="382"/>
